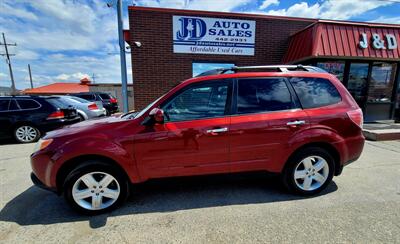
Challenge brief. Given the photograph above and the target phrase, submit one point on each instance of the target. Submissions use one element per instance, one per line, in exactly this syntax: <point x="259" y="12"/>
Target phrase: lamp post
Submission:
<point x="122" y="56"/>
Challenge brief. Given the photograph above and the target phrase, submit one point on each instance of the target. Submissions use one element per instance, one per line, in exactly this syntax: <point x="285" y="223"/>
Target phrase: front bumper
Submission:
<point x="40" y="184"/>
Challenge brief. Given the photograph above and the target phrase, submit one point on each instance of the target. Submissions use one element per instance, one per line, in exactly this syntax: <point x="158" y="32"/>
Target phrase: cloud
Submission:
<point x="390" y="20"/>
<point x="330" y="9"/>
<point x="210" y="5"/>
<point x="268" y="3"/>
<point x="72" y="77"/>
<point x="21" y="12"/>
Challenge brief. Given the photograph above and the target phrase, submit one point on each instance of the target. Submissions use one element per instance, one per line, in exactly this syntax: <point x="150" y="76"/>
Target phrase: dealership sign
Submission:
<point x="213" y="36"/>
<point x="377" y="41"/>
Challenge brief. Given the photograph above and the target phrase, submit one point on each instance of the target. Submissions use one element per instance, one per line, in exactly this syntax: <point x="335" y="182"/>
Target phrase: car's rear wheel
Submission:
<point x="26" y="134"/>
<point x="309" y="171"/>
<point x="95" y="188"/>
<point x="81" y="117"/>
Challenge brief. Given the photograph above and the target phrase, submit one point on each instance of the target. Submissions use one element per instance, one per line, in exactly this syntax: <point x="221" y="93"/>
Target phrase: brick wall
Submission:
<point x="156" y="68"/>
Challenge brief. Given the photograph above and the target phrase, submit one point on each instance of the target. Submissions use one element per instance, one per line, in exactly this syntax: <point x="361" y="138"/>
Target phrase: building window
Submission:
<point x="397" y="100"/>
<point x="198" y="67"/>
<point x="382" y="81"/>
<point x="335" y="68"/>
<point x="357" y="83"/>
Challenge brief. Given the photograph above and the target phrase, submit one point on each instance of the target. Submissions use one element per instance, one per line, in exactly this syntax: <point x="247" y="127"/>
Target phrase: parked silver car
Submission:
<point x="85" y="109"/>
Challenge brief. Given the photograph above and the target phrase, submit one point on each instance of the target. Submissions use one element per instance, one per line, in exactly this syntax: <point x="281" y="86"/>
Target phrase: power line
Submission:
<point x="8" y="60"/>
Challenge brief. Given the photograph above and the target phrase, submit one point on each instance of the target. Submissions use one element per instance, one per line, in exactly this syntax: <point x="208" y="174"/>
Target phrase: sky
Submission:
<point x="66" y="40"/>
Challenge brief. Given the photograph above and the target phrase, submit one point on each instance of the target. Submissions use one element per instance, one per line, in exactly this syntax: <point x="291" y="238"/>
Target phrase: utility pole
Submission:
<point x="30" y="75"/>
<point x="123" y="58"/>
<point x="93" y="78"/>
<point x="13" y="89"/>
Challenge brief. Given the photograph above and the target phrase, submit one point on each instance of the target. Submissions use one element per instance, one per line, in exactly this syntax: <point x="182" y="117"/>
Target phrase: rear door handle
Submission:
<point x="217" y="130"/>
<point x="297" y="122"/>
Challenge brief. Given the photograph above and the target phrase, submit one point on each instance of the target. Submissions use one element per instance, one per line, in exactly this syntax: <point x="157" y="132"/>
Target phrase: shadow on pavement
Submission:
<point x="39" y="207"/>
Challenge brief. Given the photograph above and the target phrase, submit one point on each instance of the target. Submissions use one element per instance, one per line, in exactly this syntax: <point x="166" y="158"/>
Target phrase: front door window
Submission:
<point x="198" y="102"/>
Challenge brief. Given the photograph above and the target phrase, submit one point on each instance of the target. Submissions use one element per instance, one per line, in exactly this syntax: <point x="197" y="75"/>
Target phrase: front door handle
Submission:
<point x="217" y="130"/>
<point x="297" y="122"/>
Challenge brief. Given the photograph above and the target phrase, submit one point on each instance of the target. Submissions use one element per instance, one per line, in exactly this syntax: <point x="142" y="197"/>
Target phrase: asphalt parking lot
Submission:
<point x="362" y="205"/>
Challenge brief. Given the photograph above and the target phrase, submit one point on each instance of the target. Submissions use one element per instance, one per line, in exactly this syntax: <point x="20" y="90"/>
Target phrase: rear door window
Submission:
<point x="257" y="95"/>
<point x="315" y="92"/>
<point x="27" y="104"/>
<point x="4" y="105"/>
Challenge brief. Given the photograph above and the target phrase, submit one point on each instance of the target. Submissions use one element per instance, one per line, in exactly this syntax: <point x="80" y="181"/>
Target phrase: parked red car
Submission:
<point x="298" y="121"/>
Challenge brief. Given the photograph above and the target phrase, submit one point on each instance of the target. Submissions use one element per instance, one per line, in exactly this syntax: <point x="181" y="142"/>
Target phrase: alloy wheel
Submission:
<point x="26" y="133"/>
<point x="96" y="191"/>
<point x="311" y="173"/>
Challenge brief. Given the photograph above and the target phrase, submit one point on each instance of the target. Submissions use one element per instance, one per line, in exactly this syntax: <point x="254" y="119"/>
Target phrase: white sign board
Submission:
<point x="213" y="36"/>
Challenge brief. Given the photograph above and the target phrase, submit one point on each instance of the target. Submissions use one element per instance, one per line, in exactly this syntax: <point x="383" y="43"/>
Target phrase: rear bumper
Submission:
<point x="95" y="113"/>
<point x="353" y="148"/>
<point x="111" y="107"/>
<point x="50" y="125"/>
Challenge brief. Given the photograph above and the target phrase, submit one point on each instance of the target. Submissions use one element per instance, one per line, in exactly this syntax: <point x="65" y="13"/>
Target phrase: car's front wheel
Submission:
<point x="95" y="188"/>
<point x="309" y="171"/>
<point x="26" y="134"/>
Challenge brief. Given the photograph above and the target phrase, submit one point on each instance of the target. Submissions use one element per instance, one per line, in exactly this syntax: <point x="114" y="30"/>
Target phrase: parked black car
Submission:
<point x="26" y="118"/>
<point x="110" y="103"/>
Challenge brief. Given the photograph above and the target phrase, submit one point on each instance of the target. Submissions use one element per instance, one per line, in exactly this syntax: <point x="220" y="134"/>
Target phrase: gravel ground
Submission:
<point x="362" y="205"/>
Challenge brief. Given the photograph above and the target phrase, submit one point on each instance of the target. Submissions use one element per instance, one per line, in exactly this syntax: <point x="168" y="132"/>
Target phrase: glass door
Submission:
<point x="357" y="82"/>
<point x="380" y="91"/>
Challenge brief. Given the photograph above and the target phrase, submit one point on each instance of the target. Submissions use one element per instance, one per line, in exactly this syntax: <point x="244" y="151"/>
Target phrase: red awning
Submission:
<point x="329" y="39"/>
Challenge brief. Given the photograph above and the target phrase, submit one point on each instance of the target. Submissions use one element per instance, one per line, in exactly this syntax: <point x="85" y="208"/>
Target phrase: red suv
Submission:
<point x="298" y="121"/>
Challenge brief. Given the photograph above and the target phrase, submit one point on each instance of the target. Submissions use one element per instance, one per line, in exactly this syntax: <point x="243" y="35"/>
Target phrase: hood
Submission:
<point x="87" y="126"/>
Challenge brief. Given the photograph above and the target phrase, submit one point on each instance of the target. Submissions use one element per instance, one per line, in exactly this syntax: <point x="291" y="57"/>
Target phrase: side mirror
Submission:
<point x="158" y="115"/>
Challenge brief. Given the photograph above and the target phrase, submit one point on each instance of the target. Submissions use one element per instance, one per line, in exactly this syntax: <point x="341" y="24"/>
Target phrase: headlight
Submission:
<point x="42" y="144"/>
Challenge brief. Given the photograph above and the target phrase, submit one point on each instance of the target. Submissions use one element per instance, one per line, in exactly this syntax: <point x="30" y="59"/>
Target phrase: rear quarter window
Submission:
<point x="315" y="92"/>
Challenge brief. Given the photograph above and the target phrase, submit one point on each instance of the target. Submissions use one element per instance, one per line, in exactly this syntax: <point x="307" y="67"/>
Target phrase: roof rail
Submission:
<point x="275" y="68"/>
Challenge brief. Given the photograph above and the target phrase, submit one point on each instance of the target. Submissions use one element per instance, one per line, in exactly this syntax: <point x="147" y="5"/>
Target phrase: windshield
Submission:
<point x="132" y="115"/>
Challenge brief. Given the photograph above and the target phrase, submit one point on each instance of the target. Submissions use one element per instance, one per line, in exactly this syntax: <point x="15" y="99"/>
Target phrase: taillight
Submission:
<point x="357" y="117"/>
<point x="93" y="106"/>
<point x="113" y="100"/>
<point x="56" y="115"/>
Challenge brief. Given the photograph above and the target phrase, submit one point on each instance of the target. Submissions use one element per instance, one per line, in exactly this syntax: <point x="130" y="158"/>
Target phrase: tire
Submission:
<point x="26" y="133"/>
<point x="81" y="118"/>
<point x="309" y="171"/>
<point x="86" y="194"/>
